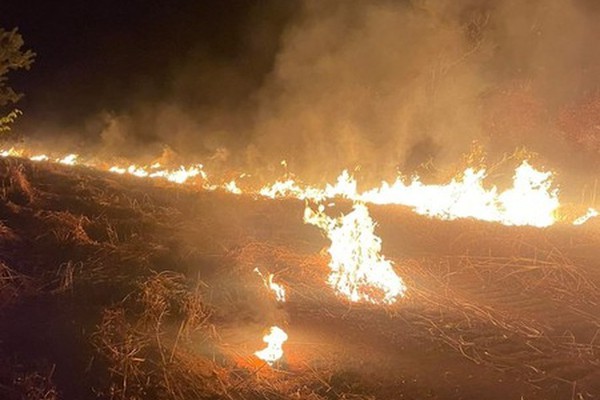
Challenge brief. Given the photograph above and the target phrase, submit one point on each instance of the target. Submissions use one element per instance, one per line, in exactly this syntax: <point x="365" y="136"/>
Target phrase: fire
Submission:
<point x="40" y="157"/>
<point x="591" y="213"/>
<point x="12" y="152"/>
<point x="69" y="159"/>
<point x="532" y="200"/>
<point x="358" y="270"/>
<point x="274" y="350"/>
<point x="276" y="288"/>
<point x="232" y="187"/>
<point x="291" y="188"/>
<point x="182" y="174"/>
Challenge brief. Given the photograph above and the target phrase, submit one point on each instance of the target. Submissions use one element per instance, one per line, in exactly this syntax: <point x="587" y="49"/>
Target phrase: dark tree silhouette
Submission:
<point x="12" y="57"/>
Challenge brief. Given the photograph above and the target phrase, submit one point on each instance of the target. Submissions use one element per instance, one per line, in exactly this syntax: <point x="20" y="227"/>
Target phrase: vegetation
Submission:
<point x="12" y="57"/>
<point x="116" y="288"/>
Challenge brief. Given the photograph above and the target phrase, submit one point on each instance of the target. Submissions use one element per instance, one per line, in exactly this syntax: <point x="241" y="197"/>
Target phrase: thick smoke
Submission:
<point x="385" y="85"/>
<point x="397" y="84"/>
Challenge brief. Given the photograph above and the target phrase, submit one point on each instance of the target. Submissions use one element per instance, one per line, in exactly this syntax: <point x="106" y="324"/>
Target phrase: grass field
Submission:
<point x="115" y="287"/>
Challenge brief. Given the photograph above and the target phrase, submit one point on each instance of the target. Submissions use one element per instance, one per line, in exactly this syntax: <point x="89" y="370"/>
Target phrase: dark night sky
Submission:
<point x="107" y="55"/>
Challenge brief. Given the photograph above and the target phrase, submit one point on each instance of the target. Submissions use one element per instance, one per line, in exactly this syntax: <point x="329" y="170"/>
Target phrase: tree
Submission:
<point x="12" y="57"/>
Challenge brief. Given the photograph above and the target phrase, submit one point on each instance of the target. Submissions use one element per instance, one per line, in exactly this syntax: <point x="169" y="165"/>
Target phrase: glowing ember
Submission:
<point x="358" y="270"/>
<point x="591" y="213"/>
<point x="274" y="350"/>
<point x="277" y="289"/>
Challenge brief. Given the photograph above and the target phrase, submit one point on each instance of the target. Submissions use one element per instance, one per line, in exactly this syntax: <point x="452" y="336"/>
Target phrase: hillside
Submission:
<point x="115" y="287"/>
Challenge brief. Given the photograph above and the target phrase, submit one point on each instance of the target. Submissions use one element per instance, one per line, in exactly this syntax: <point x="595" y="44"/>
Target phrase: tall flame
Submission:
<point x="358" y="270"/>
<point x="274" y="350"/>
<point x="530" y="201"/>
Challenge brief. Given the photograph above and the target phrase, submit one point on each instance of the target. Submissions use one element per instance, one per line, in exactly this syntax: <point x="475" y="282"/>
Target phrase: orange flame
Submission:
<point x="358" y="270"/>
<point x="277" y="289"/>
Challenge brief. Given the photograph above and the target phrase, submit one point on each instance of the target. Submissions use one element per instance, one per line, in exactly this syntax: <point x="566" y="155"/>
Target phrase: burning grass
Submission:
<point x="121" y="289"/>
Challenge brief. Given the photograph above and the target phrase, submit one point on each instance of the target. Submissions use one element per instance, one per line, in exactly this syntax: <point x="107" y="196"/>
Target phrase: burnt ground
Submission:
<point x="120" y="288"/>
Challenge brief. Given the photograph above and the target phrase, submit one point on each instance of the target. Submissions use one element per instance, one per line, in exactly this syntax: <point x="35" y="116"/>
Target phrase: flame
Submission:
<point x="69" y="159"/>
<point x="232" y="187"/>
<point x="291" y="188"/>
<point x="591" y="213"/>
<point x="531" y="200"/>
<point x="180" y="175"/>
<point x="274" y="350"/>
<point x="358" y="270"/>
<point x="276" y="288"/>
<point x="12" y="152"/>
<point x="40" y="157"/>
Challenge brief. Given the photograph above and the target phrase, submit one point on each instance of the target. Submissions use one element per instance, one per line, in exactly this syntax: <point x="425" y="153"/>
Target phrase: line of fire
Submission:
<point x="300" y="200"/>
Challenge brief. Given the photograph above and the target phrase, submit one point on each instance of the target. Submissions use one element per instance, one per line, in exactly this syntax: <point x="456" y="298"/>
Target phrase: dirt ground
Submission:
<point x="121" y="288"/>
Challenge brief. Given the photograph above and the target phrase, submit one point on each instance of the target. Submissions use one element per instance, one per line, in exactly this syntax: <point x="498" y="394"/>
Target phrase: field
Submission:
<point x="115" y="287"/>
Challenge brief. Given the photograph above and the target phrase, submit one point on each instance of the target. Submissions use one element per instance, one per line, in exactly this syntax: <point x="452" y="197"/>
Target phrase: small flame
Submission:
<point x="183" y="174"/>
<point x="12" y="152"/>
<point x="117" y="170"/>
<point x="41" y="157"/>
<point x="274" y="350"/>
<point x="290" y="188"/>
<point x="277" y="288"/>
<point x="232" y="187"/>
<point x="591" y="213"/>
<point x="70" y="159"/>
<point x="358" y="270"/>
<point x="180" y="175"/>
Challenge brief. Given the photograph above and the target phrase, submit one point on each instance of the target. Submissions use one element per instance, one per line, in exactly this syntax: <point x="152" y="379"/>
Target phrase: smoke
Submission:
<point x="384" y="85"/>
<point x="397" y="84"/>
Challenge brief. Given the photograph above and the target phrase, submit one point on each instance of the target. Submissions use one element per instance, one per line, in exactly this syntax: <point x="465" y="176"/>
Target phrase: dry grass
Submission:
<point x="14" y="185"/>
<point x="84" y="248"/>
<point x="12" y="285"/>
<point x="19" y="384"/>
<point x="133" y="340"/>
<point x="460" y="321"/>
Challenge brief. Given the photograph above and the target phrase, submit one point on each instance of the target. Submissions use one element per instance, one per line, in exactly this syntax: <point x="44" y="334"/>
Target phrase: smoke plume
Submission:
<point x="384" y="85"/>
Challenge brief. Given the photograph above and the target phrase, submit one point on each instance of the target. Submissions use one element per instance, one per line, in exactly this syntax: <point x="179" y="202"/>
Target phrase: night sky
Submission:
<point x="107" y="55"/>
